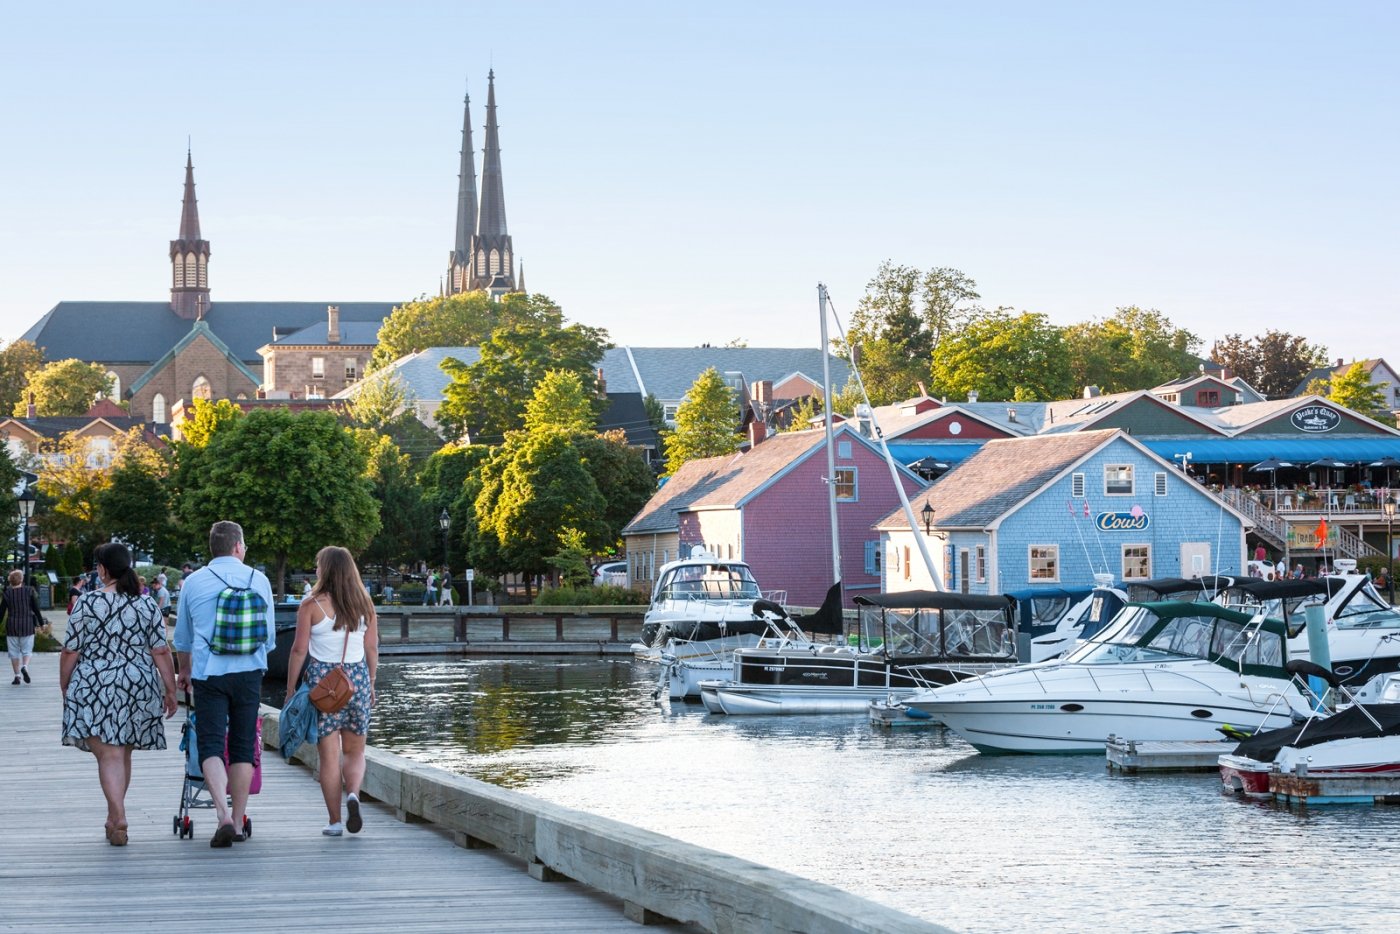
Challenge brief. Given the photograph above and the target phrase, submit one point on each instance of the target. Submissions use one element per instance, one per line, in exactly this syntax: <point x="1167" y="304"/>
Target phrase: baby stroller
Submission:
<point x="194" y="793"/>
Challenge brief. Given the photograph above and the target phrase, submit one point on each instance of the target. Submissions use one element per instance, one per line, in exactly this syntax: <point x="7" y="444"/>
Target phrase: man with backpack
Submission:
<point x="225" y="626"/>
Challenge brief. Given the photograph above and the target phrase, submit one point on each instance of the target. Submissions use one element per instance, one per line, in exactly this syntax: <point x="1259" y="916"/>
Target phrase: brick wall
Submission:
<point x="289" y="369"/>
<point x="176" y="379"/>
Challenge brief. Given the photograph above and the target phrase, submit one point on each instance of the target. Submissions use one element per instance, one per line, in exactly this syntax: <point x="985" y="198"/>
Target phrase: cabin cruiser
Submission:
<point x="908" y="641"/>
<point x="1160" y="671"/>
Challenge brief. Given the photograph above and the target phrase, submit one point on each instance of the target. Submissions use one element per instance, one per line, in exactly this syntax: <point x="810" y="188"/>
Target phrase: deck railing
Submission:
<point x="502" y="626"/>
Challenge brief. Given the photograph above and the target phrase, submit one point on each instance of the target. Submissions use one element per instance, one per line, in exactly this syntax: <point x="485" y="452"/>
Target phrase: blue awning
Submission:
<point x="1254" y="450"/>
<point x="950" y="452"/>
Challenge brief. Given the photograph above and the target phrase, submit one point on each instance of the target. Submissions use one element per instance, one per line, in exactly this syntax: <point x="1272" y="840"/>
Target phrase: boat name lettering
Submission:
<point x="772" y="667"/>
<point x="1314" y="418"/>
<point x="1042" y="706"/>
<point x="1122" y="522"/>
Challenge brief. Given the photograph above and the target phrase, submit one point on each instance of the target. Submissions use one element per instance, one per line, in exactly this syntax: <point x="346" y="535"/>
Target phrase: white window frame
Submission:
<point x="1146" y="553"/>
<point x="854" y="496"/>
<point x="980" y="567"/>
<point x="318" y="367"/>
<point x="1109" y="470"/>
<point x="1076" y="485"/>
<point x="1159" y="483"/>
<point x="1048" y="559"/>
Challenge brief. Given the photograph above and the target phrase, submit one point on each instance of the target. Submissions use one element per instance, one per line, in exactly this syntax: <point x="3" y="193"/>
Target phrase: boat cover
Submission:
<point x="935" y="600"/>
<point x="828" y="618"/>
<point x="1263" y="590"/>
<point x="1351" y="723"/>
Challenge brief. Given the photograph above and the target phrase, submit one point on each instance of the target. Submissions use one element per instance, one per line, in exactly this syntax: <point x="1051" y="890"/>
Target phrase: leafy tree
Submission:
<point x="406" y="521"/>
<point x="65" y="387"/>
<point x="136" y="506"/>
<point x="18" y="361"/>
<point x="380" y="401"/>
<point x="74" y="480"/>
<point x="1355" y="390"/>
<point x="487" y="399"/>
<point x="904" y="314"/>
<point x="1274" y="364"/>
<point x="206" y="419"/>
<point x="9" y="483"/>
<point x="656" y="413"/>
<point x="622" y="476"/>
<point x="446" y="483"/>
<point x="560" y="403"/>
<point x="571" y="561"/>
<point x="800" y="415"/>
<point x="466" y="319"/>
<point x="706" y="423"/>
<point x="294" y="481"/>
<point x="1135" y="349"/>
<point x="1005" y="357"/>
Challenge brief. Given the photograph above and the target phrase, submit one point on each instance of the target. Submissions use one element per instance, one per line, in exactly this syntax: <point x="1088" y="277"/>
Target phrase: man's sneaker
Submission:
<point x="24" y="673"/>
<point x="223" y="837"/>
<point x="353" y="822"/>
<point x="332" y="830"/>
<point x="16" y="681"/>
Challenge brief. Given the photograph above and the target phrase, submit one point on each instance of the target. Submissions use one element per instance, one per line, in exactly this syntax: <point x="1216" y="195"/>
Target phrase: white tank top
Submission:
<point x="327" y="642"/>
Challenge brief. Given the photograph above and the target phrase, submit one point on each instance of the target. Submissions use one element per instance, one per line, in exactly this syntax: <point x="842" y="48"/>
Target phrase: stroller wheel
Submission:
<point x="176" y="822"/>
<point x="189" y="828"/>
<point x="247" y="826"/>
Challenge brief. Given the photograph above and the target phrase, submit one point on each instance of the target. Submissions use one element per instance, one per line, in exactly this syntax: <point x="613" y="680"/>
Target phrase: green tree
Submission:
<point x="622" y="476"/>
<point x="9" y="484"/>
<point x="802" y="412"/>
<point x="406" y="521"/>
<point x="65" y="387"/>
<point x="1137" y="348"/>
<point x="446" y="483"/>
<point x="656" y="413"/>
<point x="1355" y="390"/>
<point x="294" y="481"/>
<point x="1274" y="364"/>
<point x="561" y="403"/>
<point x="706" y="423"/>
<point x="571" y="560"/>
<point x="207" y="418"/>
<point x="466" y="319"/>
<point x="904" y="314"/>
<point x="487" y="399"/>
<point x="136" y="506"/>
<point x="74" y="480"/>
<point x="1005" y="357"/>
<point x="18" y="361"/>
<point x="380" y="401"/>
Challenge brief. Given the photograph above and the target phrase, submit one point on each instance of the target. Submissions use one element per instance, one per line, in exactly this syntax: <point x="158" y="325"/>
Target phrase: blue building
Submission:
<point x="1053" y="511"/>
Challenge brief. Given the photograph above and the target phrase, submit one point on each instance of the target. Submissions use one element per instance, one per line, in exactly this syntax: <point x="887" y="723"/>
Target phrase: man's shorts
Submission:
<point x="227" y="705"/>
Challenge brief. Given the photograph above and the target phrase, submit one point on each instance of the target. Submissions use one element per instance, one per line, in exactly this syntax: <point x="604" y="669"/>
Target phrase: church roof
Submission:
<point x="197" y="329"/>
<point x="112" y="333"/>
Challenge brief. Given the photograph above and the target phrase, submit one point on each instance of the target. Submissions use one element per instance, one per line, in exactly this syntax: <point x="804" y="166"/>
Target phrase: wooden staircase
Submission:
<point x="1272" y="529"/>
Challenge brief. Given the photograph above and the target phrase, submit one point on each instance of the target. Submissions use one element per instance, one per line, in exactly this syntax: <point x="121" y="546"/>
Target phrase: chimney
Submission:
<point x="1340" y="362"/>
<point x="31" y="411"/>
<point x="1011" y="416"/>
<point x="763" y="392"/>
<point x="757" y="433"/>
<point x="923" y="390"/>
<point x="333" y="324"/>
<point x="972" y="395"/>
<point x="1091" y="392"/>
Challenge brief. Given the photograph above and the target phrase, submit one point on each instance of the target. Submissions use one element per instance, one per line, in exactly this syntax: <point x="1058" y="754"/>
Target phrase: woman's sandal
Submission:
<point x="117" y="836"/>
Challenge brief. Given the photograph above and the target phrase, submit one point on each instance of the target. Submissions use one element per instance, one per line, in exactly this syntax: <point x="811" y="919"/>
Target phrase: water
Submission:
<point x="912" y="818"/>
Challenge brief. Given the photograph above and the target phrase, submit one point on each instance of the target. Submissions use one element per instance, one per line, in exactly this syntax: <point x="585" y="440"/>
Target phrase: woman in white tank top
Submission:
<point x="336" y="621"/>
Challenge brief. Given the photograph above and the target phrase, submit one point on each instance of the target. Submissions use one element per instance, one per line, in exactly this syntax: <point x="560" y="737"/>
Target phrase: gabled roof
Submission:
<point x="197" y="330"/>
<point x="1341" y="369"/>
<point x="56" y="426"/>
<point x="668" y="372"/>
<point x="352" y="334"/>
<point x="421" y="373"/>
<point x="1239" y="419"/>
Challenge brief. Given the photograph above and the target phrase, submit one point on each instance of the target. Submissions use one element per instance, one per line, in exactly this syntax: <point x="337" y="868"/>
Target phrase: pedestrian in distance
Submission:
<point x="445" y="588"/>
<point x="20" y="613"/>
<point x="160" y="593"/>
<point x="430" y="589"/>
<point x="117" y="679"/>
<point x="225" y="625"/>
<point x="336" y="626"/>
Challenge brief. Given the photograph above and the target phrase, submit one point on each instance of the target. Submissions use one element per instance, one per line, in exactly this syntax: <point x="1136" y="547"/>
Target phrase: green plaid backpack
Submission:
<point x="240" y="619"/>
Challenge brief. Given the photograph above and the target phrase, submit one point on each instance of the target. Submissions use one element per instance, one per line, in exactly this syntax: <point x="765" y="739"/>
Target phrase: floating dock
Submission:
<point x="1302" y="788"/>
<point x="1132" y="757"/>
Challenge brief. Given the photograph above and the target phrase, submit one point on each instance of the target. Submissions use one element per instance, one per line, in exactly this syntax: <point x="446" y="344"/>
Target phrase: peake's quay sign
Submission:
<point x="1122" y="522"/>
<point x="1315" y="418"/>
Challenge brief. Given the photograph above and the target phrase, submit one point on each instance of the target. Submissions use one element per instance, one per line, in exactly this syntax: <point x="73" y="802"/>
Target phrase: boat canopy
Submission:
<point x="1262" y="590"/>
<point x="1201" y="588"/>
<point x="1040" y="607"/>
<point x="1174" y="628"/>
<point x="1352" y="723"/>
<point x="934" y="600"/>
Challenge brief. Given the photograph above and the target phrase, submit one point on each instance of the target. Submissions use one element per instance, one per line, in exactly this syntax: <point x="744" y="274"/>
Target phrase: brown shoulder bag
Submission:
<point x="334" y="690"/>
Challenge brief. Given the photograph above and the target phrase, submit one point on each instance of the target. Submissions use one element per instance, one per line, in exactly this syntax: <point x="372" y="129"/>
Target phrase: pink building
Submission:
<point x="767" y="506"/>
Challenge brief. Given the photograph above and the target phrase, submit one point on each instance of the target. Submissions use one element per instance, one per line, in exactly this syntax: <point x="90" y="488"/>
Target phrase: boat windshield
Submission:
<point x="1138" y="635"/>
<point x="1367" y="610"/>
<point x="1046" y="610"/>
<point x="713" y="581"/>
<point x="953" y="632"/>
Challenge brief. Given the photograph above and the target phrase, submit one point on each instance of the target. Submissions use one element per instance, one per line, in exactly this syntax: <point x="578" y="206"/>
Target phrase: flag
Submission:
<point x="1070" y="504"/>
<point x="1086" y="507"/>
<point x="1321" y="532"/>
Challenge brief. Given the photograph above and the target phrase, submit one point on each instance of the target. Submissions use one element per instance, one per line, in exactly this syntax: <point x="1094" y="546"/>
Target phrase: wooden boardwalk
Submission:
<point x="59" y="874"/>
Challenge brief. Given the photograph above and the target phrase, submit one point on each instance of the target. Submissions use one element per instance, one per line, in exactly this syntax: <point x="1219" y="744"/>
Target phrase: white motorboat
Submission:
<point x="1160" y="671"/>
<point x="909" y="641"/>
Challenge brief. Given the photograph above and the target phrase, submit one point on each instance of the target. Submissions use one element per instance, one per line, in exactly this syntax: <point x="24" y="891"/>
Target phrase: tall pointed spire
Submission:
<point x="466" y="187"/>
<point x="189" y="257"/>
<point x="493" y="199"/>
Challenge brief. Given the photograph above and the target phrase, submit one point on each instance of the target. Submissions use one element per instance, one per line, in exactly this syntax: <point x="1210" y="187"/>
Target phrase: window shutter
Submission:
<point x="1159" y="483"/>
<point x="872" y="558"/>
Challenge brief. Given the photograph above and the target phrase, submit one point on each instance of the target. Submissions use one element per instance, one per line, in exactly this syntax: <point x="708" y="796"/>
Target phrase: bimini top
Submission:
<point x="1263" y="590"/>
<point x="935" y="600"/>
<point x="1256" y="645"/>
<point x="1051" y="593"/>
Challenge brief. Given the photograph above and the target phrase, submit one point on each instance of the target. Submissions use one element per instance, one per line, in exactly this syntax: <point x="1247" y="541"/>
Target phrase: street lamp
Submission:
<point x="26" y="512"/>
<point x="444" y="523"/>
<point x="927" y="513"/>
<point x="1388" y="507"/>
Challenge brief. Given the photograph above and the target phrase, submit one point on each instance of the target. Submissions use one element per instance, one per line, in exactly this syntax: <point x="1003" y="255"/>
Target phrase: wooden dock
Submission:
<point x="1132" y="757"/>
<point x="60" y="874"/>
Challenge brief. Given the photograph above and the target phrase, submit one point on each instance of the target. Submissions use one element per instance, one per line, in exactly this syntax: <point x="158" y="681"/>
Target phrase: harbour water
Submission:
<point x="912" y="818"/>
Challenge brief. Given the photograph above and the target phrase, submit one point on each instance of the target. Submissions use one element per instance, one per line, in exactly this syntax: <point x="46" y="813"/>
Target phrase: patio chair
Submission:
<point x="1350" y="501"/>
<point x="1287" y="501"/>
<point x="1332" y="499"/>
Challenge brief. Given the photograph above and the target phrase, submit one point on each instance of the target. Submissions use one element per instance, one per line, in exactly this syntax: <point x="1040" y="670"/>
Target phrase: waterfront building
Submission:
<point x="1053" y="511"/>
<point x="1378" y="373"/>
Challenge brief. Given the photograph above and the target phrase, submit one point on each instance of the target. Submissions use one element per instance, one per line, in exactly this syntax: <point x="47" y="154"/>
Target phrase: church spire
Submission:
<point x="492" y="256"/>
<point x="459" y="267"/>
<point x="189" y="257"/>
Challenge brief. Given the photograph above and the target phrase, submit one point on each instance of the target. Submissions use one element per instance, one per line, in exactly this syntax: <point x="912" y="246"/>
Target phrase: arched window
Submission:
<point x="481" y="262"/>
<point x="191" y="270"/>
<point x="158" y="409"/>
<point x="495" y="262"/>
<point x="202" y="389"/>
<point x="116" y="394"/>
<point x="179" y="267"/>
<point x="203" y="273"/>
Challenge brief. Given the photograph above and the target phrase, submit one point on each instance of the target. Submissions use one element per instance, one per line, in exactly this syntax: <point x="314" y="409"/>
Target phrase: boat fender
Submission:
<point x="913" y="713"/>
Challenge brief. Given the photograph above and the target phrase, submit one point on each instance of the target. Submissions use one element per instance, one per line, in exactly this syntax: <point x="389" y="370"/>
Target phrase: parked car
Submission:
<point x="610" y="572"/>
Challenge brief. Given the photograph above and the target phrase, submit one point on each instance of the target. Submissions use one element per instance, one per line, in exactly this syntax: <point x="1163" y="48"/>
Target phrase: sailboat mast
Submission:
<point x="830" y="443"/>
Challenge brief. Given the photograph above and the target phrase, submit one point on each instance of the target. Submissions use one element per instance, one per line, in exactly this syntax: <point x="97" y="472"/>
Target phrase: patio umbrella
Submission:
<point x="1272" y="464"/>
<point x="1387" y="463"/>
<point x="927" y="465"/>
<point x="1331" y="462"/>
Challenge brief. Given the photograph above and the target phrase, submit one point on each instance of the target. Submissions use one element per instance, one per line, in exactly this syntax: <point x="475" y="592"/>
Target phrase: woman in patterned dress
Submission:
<point x="336" y="620"/>
<point x="117" y="679"/>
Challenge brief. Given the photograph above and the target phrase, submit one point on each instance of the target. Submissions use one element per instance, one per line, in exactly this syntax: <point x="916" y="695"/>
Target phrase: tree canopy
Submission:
<point x="1004" y="356"/>
<point x="466" y="319"/>
<point x="64" y="387"/>
<point x="207" y="418"/>
<point x="706" y="423"/>
<point x="1137" y="348"/>
<point x="74" y="483"/>
<point x="18" y="361"/>
<point x="561" y="403"/>
<point x="1355" y="390"/>
<point x="406" y="519"/>
<point x="135" y="507"/>
<point x="1274" y="363"/>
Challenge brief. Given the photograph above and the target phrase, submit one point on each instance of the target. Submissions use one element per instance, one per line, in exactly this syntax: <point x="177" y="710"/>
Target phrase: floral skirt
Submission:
<point x="354" y="716"/>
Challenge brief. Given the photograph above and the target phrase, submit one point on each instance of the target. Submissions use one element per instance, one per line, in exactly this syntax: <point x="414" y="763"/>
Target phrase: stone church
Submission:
<point x="193" y="347"/>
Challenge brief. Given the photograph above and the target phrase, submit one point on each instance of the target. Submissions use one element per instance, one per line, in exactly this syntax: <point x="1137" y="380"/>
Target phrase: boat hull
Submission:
<point x="1245" y="776"/>
<point x="721" y="697"/>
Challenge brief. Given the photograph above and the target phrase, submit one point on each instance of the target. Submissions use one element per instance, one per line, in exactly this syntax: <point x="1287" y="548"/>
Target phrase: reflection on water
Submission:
<point x="913" y="818"/>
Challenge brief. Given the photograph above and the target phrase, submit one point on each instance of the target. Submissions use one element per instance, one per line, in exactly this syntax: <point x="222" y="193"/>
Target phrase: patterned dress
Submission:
<point x="115" y="692"/>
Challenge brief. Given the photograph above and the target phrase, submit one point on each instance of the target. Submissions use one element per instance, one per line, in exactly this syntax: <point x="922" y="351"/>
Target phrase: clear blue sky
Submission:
<point x="683" y="173"/>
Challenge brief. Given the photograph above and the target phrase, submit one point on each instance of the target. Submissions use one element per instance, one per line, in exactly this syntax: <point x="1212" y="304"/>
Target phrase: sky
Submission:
<point x="683" y="173"/>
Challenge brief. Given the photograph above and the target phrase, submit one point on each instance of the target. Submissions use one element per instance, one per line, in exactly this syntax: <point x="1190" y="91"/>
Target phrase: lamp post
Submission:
<point x="444" y="523"/>
<point x="927" y="513"/>
<point x="26" y="511"/>
<point x="1388" y="507"/>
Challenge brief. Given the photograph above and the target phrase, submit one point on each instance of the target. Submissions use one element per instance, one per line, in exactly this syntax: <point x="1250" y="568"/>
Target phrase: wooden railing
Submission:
<point x="510" y="628"/>
<point x="1268" y="524"/>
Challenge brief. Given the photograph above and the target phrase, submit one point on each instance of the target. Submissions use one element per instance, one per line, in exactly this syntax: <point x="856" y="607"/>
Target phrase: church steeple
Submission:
<point x="493" y="258"/>
<point x="459" y="263"/>
<point x="189" y="257"/>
